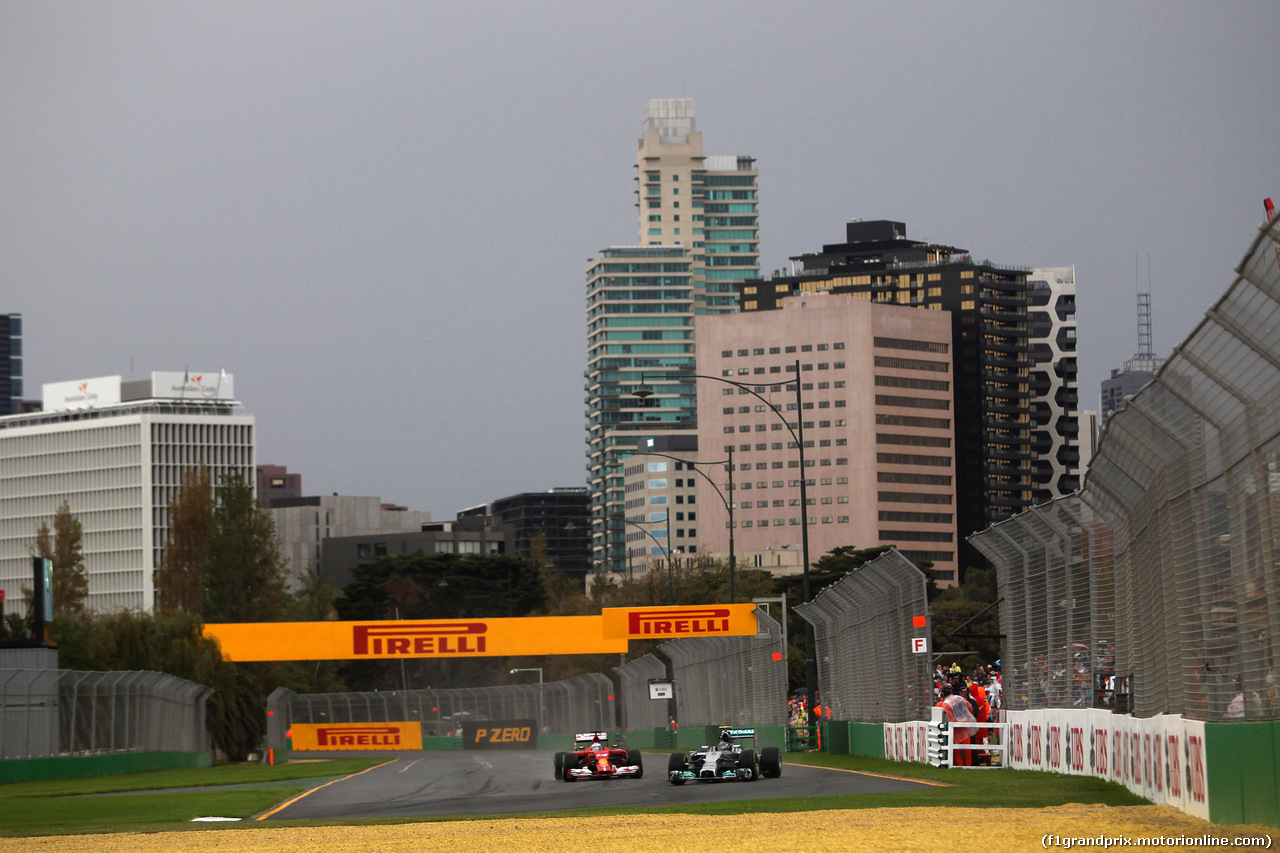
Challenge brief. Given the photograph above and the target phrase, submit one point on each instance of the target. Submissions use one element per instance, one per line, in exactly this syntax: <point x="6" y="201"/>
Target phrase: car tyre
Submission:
<point x="675" y="764"/>
<point x="770" y="762"/>
<point x="747" y="765"/>
<point x="559" y="765"/>
<point x="633" y="757"/>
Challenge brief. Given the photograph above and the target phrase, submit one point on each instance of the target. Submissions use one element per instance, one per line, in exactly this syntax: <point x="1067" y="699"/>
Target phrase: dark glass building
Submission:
<point x="561" y="515"/>
<point x="10" y="364"/>
<point x="990" y="340"/>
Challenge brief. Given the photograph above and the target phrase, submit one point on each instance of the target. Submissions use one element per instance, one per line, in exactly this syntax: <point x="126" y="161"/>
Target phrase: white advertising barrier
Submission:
<point x="1161" y="758"/>
<point x="906" y="741"/>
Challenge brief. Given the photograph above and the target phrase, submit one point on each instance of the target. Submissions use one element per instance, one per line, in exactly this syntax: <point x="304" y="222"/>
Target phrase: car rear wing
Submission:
<point x="741" y="734"/>
<point x="591" y="737"/>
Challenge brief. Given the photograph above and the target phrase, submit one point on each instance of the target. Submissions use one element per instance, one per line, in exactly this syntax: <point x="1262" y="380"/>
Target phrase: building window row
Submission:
<point x="906" y="344"/>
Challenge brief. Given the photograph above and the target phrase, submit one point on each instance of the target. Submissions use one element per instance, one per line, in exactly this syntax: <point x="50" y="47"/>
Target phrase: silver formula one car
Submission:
<point x="727" y="759"/>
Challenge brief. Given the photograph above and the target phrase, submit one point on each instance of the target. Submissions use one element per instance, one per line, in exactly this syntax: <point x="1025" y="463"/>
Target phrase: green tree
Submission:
<point x="178" y="581"/>
<point x="966" y="620"/>
<point x="243" y="574"/>
<point x="439" y="586"/>
<point x="65" y="547"/>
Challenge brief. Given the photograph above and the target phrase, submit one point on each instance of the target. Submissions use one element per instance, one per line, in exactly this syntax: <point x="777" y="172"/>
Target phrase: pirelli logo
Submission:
<point x="357" y="736"/>
<point x="674" y="621"/>
<point x="390" y="639"/>
<point x="703" y="620"/>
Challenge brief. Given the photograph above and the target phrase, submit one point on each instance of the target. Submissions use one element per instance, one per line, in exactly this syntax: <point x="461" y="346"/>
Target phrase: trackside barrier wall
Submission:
<point x="1154" y="589"/>
<point x="863" y="626"/>
<point x="53" y="721"/>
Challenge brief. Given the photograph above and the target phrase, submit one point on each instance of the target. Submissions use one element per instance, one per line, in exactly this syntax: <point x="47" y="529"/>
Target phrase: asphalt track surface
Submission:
<point x="436" y="783"/>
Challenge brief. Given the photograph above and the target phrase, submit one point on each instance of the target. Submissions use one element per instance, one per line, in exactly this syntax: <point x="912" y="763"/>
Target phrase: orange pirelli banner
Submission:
<point x="670" y="623"/>
<point x="327" y="736"/>
<point x="425" y="638"/>
<point x="608" y="633"/>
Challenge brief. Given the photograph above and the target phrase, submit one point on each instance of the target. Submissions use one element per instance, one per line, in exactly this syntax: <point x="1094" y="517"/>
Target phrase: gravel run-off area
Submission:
<point x="882" y="830"/>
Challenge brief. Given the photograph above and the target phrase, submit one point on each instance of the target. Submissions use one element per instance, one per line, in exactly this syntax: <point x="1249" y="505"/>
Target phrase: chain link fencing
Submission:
<point x="1154" y="588"/>
<point x="731" y="681"/>
<point x="863" y="629"/>
<point x="48" y="713"/>
<point x="582" y="703"/>
<point x="638" y="711"/>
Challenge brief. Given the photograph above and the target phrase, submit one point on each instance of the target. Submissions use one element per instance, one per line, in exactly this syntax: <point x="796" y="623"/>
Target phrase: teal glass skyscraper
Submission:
<point x="699" y="242"/>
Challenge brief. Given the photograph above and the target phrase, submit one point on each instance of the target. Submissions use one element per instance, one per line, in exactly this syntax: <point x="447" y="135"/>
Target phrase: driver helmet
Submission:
<point x="595" y="745"/>
<point x="725" y="738"/>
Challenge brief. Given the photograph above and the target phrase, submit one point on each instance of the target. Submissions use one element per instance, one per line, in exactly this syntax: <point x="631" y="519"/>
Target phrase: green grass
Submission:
<point x="63" y="807"/>
<point x="52" y="807"/>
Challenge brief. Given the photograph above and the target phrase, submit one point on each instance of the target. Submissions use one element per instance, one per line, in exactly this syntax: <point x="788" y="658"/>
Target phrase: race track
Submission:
<point x="434" y="783"/>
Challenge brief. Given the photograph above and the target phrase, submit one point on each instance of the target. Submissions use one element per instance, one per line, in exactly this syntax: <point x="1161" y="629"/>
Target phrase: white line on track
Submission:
<point x="410" y="764"/>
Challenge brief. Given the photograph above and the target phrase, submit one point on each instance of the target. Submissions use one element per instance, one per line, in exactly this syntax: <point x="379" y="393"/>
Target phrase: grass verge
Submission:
<point x="67" y="807"/>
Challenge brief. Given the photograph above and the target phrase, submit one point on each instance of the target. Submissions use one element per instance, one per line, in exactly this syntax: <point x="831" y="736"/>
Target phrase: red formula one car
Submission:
<point x="594" y="758"/>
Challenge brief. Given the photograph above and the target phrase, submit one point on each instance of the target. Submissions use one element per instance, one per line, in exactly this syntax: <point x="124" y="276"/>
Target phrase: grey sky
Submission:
<point x="377" y="215"/>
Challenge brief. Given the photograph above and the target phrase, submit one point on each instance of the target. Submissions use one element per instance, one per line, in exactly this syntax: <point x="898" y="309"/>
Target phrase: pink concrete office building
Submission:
<point x="876" y="391"/>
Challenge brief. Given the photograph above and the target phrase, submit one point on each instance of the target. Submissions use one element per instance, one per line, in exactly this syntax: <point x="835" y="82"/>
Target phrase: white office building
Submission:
<point x="115" y="451"/>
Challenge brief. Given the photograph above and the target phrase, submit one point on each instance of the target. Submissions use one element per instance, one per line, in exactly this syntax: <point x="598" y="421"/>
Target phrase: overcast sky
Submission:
<point x="377" y="215"/>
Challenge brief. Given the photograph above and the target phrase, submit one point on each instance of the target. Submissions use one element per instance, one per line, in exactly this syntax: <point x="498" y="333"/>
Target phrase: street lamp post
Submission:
<point x="542" y="707"/>
<point x="728" y="502"/>
<point x="797" y="433"/>
<point x="671" y="595"/>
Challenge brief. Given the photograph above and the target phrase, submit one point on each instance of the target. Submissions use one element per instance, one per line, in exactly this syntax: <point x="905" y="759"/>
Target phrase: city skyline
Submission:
<point x="378" y="222"/>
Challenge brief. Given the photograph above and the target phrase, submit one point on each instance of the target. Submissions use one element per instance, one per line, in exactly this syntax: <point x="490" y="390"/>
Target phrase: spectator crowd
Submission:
<point x="967" y="700"/>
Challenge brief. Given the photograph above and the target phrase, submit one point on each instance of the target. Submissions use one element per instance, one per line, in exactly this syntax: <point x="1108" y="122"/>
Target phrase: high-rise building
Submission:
<point x="115" y="451"/>
<point x="876" y="408"/>
<point x="991" y="350"/>
<point x="698" y="245"/>
<point x="10" y="364"/>
<point x="1055" y="434"/>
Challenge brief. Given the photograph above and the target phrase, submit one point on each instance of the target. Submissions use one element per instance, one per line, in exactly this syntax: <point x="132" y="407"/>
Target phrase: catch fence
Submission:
<point x="1154" y="588"/>
<point x="583" y="703"/>
<point x="48" y="712"/>
<point x="732" y="681"/>
<point x="864" y="626"/>
<point x="638" y="711"/>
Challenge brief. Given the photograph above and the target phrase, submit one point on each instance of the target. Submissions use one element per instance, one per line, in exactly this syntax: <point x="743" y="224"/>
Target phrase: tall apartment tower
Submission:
<point x="1055" y="435"/>
<point x="698" y="245"/>
<point x="991" y="351"/>
<point x="10" y="364"/>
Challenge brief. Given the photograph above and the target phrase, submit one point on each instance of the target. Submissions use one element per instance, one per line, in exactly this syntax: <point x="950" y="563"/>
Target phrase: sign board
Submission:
<point x="81" y="394"/>
<point x="500" y="734"/>
<point x="357" y="736"/>
<point x="920" y="645"/>
<point x="662" y="690"/>
<point x="609" y="633"/>
<point x="705" y="620"/>
<point x="193" y="385"/>
<point x="390" y="640"/>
